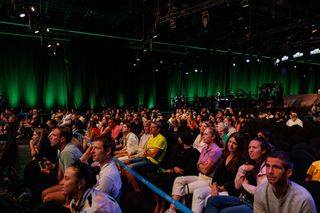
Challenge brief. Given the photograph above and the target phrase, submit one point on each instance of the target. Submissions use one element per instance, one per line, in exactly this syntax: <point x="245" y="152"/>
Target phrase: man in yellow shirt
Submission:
<point x="313" y="173"/>
<point x="155" y="151"/>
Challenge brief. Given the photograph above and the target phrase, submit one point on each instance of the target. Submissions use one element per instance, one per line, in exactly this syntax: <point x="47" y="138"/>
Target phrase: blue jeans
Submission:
<point x="227" y="204"/>
<point x="142" y="165"/>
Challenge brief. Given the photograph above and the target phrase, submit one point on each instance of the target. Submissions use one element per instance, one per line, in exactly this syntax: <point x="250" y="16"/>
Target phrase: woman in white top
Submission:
<point x="198" y="143"/>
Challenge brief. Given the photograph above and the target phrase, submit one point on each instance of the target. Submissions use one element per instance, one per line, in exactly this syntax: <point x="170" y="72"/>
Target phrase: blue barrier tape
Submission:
<point x="180" y="206"/>
<point x="81" y="136"/>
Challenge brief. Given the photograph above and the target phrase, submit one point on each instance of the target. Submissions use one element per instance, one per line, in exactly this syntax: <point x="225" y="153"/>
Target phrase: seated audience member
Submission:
<point x="108" y="178"/>
<point x="92" y="132"/>
<point x="207" y="163"/>
<point x="266" y="134"/>
<point x="51" y="124"/>
<point x="222" y="183"/>
<point x="68" y="153"/>
<point x="36" y="176"/>
<point x="137" y="124"/>
<point x="279" y="194"/>
<point x="130" y="143"/>
<point x="77" y="184"/>
<point x="294" y="120"/>
<point x="183" y="161"/>
<point x="50" y="207"/>
<point x="230" y="126"/>
<point x="154" y="154"/>
<point x="248" y="177"/>
<point x="143" y="140"/>
<point x="313" y="173"/>
<point x="9" y="153"/>
<point x="66" y="119"/>
<point x="103" y="125"/>
<point x="198" y="143"/>
<point x="115" y="129"/>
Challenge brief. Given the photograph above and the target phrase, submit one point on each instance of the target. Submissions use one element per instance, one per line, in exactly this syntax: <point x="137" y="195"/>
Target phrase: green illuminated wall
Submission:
<point x="80" y="75"/>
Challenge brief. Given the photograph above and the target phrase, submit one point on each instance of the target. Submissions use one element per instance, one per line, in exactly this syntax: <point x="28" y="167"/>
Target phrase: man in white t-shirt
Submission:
<point x="108" y="179"/>
<point x="294" y="120"/>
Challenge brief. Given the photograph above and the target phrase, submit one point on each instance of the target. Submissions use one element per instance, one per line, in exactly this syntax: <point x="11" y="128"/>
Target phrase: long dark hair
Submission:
<point x="85" y="172"/>
<point x="240" y="152"/>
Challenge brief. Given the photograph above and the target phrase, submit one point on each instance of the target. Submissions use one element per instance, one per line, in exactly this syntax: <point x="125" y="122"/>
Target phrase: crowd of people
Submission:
<point x="210" y="160"/>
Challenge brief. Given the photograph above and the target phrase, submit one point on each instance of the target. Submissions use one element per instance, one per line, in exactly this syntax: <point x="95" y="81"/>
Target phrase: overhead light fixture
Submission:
<point x="32" y="9"/>
<point x="315" y="51"/>
<point x="154" y="33"/>
<point x="244" y="3"/>
<point x="19" y="8"/>
<point x="205" y="18"/>
<point x="22" y="14"/>
<point x="313" y="28"/>
<point x="297" y="55"/>
<point x="285" y="58"/>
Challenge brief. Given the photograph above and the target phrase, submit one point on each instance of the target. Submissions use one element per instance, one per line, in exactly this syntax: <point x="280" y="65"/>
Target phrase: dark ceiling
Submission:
<point x="266" y="27"/>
